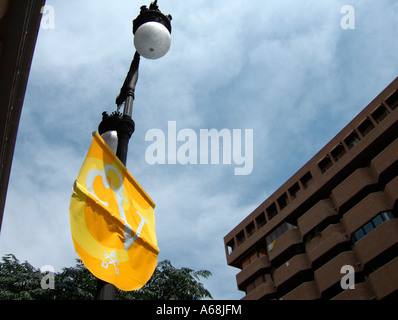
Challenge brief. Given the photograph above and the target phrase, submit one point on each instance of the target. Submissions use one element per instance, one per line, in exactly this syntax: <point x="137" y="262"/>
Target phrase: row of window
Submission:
<point x="337" y="153"/>
<point x="371" y="225"/>
<point x="284" y="227"/>
<point x="253" y="256"/>
<point x="363" y="129"/>
<point x="267" y="277"/>
<point x="271" y="238"/>
<point x="271" y="211"/>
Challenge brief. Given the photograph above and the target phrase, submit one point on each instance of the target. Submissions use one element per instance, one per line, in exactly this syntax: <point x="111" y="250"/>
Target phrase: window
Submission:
<point x="240" y="237"/>
<point x="338" y="152"/>
<point x="270" y="238"/>
<point x="283" y="201"/>
<point x="258" y="281"/>
<point x="272" y="211"/>
<point x="231" y="246"/>
<point x="261" y="220"/>
<point x="282" y="229"/>
<point x="276" y="233"/>
<point x="352" y="140"/>
<point x="307" y="180"/>
<point x="245" y="262"/>
<point x="388" y="215"/>
<point x="279" y="231"/>
<point x="365" y="127"/>
<point x="250" y="229"/>
<point x="358" y="235"/>
<point x="253" y="256"/>
<point x="368" y="227"/>
<point x="378" y="220"/>
<point x="392" y="101"/>
<point x="373" y="224"/>
<point x="325" y="164"/>
<point x="380" y="113"/>
<point x="261" y="252"/>
<point x="294" y="190"/>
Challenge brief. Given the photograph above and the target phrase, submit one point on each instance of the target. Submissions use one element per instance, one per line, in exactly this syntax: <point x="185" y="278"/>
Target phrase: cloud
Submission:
<point x="286" y="70"/>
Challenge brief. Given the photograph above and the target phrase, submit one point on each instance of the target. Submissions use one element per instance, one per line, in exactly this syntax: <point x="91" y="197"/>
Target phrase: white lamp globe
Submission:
<point x="152" y="40"/>
<point x="110" y="138"/>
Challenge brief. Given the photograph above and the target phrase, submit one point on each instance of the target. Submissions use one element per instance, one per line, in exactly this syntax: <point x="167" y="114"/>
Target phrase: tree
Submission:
<point x="169" y="283"/>
<point x="75" y="283"/>
<point x="21" y="281"/>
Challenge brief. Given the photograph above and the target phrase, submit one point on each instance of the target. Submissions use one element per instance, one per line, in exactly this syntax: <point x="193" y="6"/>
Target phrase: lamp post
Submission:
<point x="152" y="38"/>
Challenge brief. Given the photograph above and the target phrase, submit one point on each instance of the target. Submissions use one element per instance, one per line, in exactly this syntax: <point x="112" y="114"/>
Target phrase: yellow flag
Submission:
<point x="112" y="221"/>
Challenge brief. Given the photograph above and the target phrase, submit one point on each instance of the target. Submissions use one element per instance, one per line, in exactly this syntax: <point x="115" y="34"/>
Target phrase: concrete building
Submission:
<point x="19" y="27"/>
<point x="339" y="210"/>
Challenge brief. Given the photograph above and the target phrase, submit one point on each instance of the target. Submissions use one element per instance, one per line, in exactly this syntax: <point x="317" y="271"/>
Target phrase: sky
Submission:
<point x="294" y="73"/>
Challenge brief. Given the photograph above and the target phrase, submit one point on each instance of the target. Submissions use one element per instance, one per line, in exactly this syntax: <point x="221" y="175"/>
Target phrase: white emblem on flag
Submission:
<point x="112" y="261"/>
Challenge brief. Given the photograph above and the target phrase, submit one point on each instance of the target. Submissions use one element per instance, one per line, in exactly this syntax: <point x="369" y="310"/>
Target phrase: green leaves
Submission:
<point x="21" y="281"/>
<point x="170" y="283"/>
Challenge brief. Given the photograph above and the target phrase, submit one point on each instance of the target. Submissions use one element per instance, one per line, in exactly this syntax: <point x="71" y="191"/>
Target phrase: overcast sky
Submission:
<point x="285" y="69"/>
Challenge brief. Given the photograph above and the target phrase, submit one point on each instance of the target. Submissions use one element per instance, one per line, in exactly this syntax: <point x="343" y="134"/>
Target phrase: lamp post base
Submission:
<point x="105" y="291"/>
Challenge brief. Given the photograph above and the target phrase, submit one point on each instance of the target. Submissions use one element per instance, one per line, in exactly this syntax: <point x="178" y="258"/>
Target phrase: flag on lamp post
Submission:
<point x="112" y="221"/>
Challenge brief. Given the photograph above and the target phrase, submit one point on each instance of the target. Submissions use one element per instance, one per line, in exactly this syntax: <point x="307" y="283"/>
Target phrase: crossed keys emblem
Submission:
<point x="112" y="261"/>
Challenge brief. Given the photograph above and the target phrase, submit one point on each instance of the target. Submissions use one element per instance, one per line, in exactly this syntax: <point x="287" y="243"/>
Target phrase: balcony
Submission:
<point x="384" y="281"/>
<point x="320" y="212"/>
<point x="305" y="291"/>
<point x="291" y="270"/>
<point x="392" y="192"/>
<point x="377" y="241"/>
<point x="365" y="211"/>
<point x="329" y="240"/>
<point x="252" y="269"/>
<point x="358" y="182"/>
<point x="385" y="161"/>
<point x="361" y="292"/>
<point x="329" y="274"/>
<point x="284" y="242"/>
<point x="266" y="289"/>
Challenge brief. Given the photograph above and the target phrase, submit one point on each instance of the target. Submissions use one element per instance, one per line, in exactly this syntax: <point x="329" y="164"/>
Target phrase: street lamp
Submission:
<point x="152" y="38"/>
<point x="152" y="31"/>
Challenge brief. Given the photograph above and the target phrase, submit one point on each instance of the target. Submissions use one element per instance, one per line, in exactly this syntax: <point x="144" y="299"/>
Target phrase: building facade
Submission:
<point x="19" y="28"/>
<point x="333" y="223"/>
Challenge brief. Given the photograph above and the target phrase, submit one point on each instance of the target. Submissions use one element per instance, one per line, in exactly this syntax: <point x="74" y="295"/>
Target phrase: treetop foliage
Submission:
<point x="22" y="281"/>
